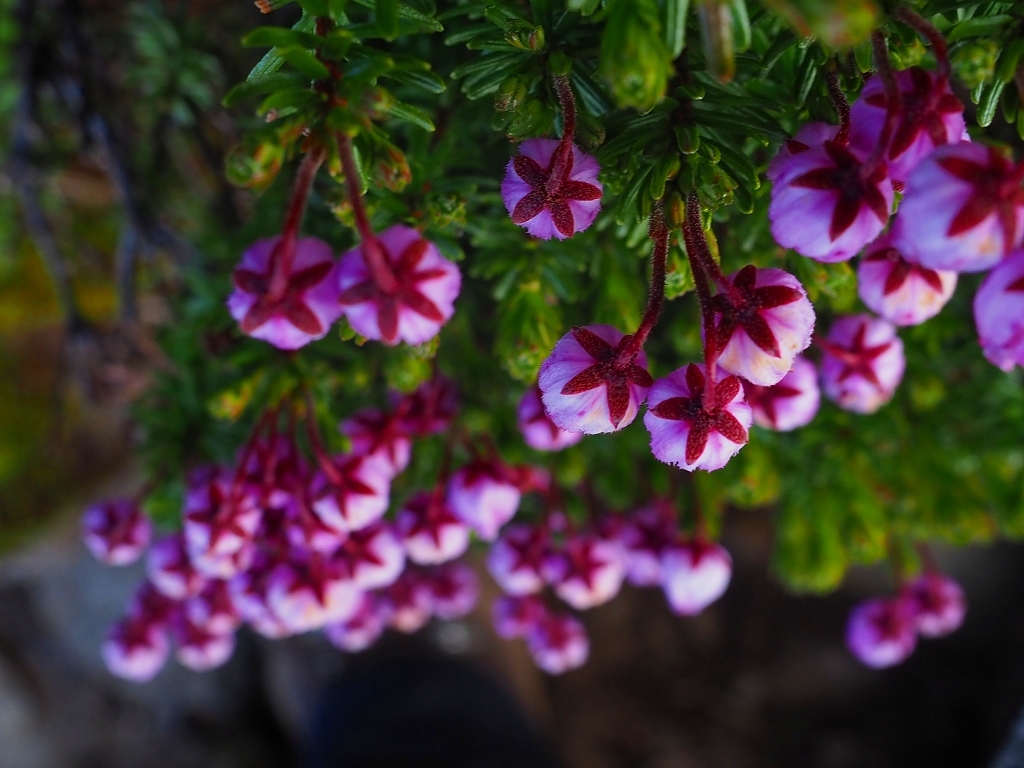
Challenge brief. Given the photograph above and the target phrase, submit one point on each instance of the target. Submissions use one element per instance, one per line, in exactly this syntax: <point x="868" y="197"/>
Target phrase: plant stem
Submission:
<point x="893" y="98"/>
<point x="658" y="232"/>
<point x="561" y="162"/>
<point x="842" y="107"/>
<point x="693" y="235"/>
<point x="928" y="30"/>
<point x="373" y="254"/>
<point x="284" y="253"/>
<point x="316" y="442"/>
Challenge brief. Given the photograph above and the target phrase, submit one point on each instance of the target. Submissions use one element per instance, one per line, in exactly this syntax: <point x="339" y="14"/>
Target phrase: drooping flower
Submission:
<point x="585" y="572"/>
<point x="170" y="570"/>
<point x="351" y="493"/>
<point x="558" y="643"/>
<point x="963" y="209"/>
<point x="454" y="588"/>
<point x="643" y="538"/>
<point x="515" y="559"/>
<point x="516" y="616"/>
<point x="695" y="573"/>
<point x="999" y="313"/>
<point x="305" y="530"/>
<point x="790" y="404"/>
<point x="826" y="204"/>
<point x="199" y="648"/>
<point x="381" y="436"/>
<point x="407" y="604"/>
<point x="539" y="431"/>
<point x="485" y="496"/>
<point x="548" y="197"/>
<point x="862" y="363"/>
<point x="136" y="649"/>
<point x="219" y="518"/>
<point x="213" y="609"/>
<point x="809" y="135"/>
<point x="930" y="116"/>
<point x="306" y="593"/>
<point x="297" y="311"/>
<point x="586" y="388"/>
<point x="419" y="302"/>
<point x="361" y="629"/>
<point x="937" y="604"/>
<point x="684" y="432"/>
<point x="881" y="633"/>
<point x="373" y="556"/>
<point x="249" y="596"/>
<point x="762" y="324"/>
<point x="430" y="531"/>
<point x="116" y="532"/>
<point x="901" y="292"/>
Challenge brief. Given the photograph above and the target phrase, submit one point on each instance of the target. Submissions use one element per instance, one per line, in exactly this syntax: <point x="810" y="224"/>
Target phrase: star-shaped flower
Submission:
<point x="791" y="403"/>
<point x="863" y="363"/>
<point x="381" y="436"/>
<point x="586" y="571"/>
<point x="350" y="493"/>
<point x="515" y="559"/>
<point x="901" y="292"/>
<point x="116" y="531"/>
<point x="430" y="531"/>
<point x="999" y="313"/>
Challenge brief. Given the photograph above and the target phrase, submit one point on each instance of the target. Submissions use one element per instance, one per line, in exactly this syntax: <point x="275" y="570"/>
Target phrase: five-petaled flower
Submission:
<point x="791" y="403"/>
<point x="539" y="431"/>
<point x="999" y="313"/>
<point x="430" y="531"/>
<point x="862" y="363"/>
<point x="901" y="292"/>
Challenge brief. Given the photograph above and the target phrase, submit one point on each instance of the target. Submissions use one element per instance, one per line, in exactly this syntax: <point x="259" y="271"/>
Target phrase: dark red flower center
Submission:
<point x="291" y="305"/>
<point x="742" y="308"/>
<point x="902" y="270"/>
<point x="922" y="109"/>
<point x="551" y="188"/>
<point x="996" y="191"/>
<point x="858" y="359"/>
<point x="766" y="398"/>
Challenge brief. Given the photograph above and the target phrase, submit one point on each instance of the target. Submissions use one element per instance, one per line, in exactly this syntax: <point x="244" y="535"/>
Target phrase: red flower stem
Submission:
<point x="893" y="97"/>
<point x="316" y="442"/>
<point x="928" y="30"/>
<point x="693" y="234"/>
<point x="250" y="445"/>
<point x="842" y="107"/>
<point x="658" y="232"/>
<point x="284" y="253"/>
<point x="372" y="252"/>
<point x="561" y="163"/>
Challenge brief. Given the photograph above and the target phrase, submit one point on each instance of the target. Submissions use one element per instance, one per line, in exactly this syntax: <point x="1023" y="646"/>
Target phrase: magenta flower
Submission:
<point x="790" y="404"/>
<point x="484" y="495"/>
<point x="170" y="570"/>
<point x="901" y="292"/>
<point x="431" y="532"/>
<point x="373" y="556"/>
<point x="695" y="573"/>
<point x="249" y="596"/>
<point x="116" y="532"/>
<point x="419" y="300"/>
<point x="359" y="631"/>
<point x="136" y="649"/>
<point x="350" y="493"/>
<point x="380" y="436"/>
<point x="929" y="117"/>
<point x="548" y="195"/>
<point x="999" y="313"/>
<point x="763" y="323"/>
<point x="809" y="135"/>
<point x="586" y="388"/>
<point x="937" y="604"/>
<point x="881" y="633"/>
<point x="587" y="571"/>
<point x="307" y="593"/>
<point x="515" y="559"/>
<point x="643" y="538"/>
<point x="304" y="529"/>
<point x="862" y="364"/>
<point x="213" y="609"/>
<point x="558" y="643"/>
<point x="963" y="209"/>
<point x="826" y="204"/>
<point x="408" y="604"/>
<point x="295" y="309"/>
<point x="515" y="616"/>
<point x="454" y="589"/>
<point x="220" y="517"/>
<point x="684" y="432"/>
<point x="199" y="649"/>
<point x="539" y="431"/>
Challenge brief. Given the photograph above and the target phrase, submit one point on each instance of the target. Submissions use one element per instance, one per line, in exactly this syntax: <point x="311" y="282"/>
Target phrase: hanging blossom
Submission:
<point x="117" y="532"/>
<point x="938" y="604"/>
<point x="644" y="537"/>
<point x="286" y="290"/>
<point x="807" y="136"/>
<point x="551" y="187"/>
<point x="790" y="404"/>
<point x="485" y="494"/>
<point x="516" y="558"/>
<point x="899" y="291"/>
<point x="585" y="571"/>
<point x="695" y="573"/>
<point x="881" y="632"/>
<point x="862" y="363"/>
<point x="381" y="436"/>
<point x="558" y="642"/>
<point x="999" y="313"/>
<point x="540" y="432"/>
<point x="430" y="531"/>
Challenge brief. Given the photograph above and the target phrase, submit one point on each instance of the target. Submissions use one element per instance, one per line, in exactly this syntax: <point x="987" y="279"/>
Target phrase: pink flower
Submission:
<point x="515" y="559"/>
<point x="484" y="495"/>
<point x="695" y="574"/>
<point x="351" y="493"/>
<point x="687" y="435"/>
<point x="880" y="632"/>
<point x="558" y="643"/>
<point x="431" y="409"/>
<point x="929" y="117"/>
<point x="307" y="593"/>
<point x="408" y="603"/>
<point x="862" y="364"/>
<point x="170" y="570"/>
<point x="547" y="199"/>
<point x="809" y="135"/>
<point x="454" y="590"/>
<point x="136" y="649"/>
<point x="790" y="404"/>
<point x="937" y="604"/>
<point x="516" y="616"/>
<point x="360" y="630"/>
<point x="305" y="530"/>
<point x="585" y="388"/>
<point x="762" y="324"/>
<point x="220" y="517"/>
<point x="540" y="432"/>
<point x="381" y="437"/>
<point x="199" y="648"/>
<point x="116" y="531"/>
<point x="825" y="206"/>
<point x="963" y="209"/>
<point x="643" y="538"/>
<point x="999" y="313"/>
<point x="422" y="300"/>
<point x="306" y="307"/>
<point x="373" y="556"/>
<point x="213" y="609"/>
<point x="275" y="469"/>
<point x="430" y="531"/>
<point x="586" y="571"/>
<point x="151" y="605"/>
<point x="901" y="292"/>
<point x="249" y="596"/>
